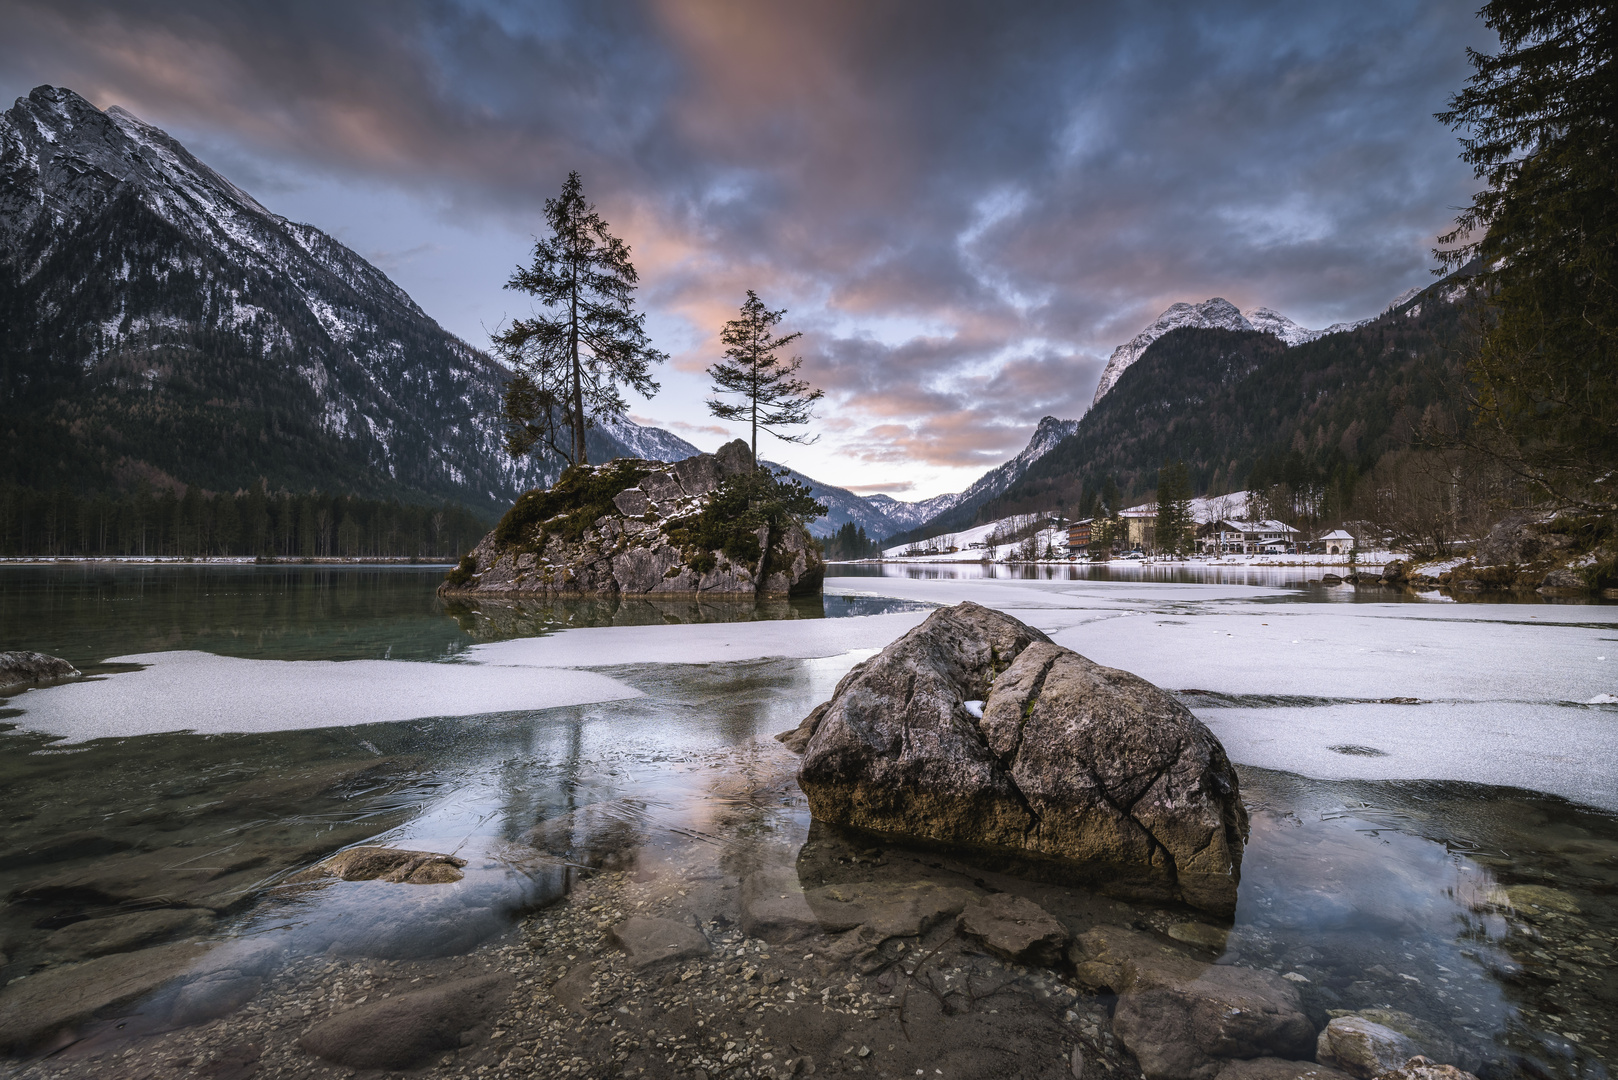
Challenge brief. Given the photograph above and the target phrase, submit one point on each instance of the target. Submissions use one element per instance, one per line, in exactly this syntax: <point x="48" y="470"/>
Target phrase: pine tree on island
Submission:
<point x="571" y="358"/>
<point x="772" y="395"/>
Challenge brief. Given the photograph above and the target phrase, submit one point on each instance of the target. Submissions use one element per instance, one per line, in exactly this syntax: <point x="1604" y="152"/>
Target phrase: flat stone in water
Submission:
<point x="121" y="933"/>
<point x="1362" y="1047"/>
<point x="39" y="1006"/>
<point x="404" y="1031"/>
<point x="655" y="941"/>
<point x="393" y="864"/>
<point x="1015" y="928"/>
<point x="1200" y="934"/>
<point x="1540" y="897"/>
<point x="1269" y="1068"/>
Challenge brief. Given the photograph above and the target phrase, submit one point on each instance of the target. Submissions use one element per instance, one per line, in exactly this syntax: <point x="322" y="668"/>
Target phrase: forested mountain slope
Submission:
<point x="158" y="324"/>
<point x="1229" y="402"/>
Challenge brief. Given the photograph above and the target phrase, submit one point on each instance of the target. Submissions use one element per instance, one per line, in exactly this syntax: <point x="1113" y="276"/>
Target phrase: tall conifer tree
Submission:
<point x="571" y="358"/>
<point x="1541" y="116"/>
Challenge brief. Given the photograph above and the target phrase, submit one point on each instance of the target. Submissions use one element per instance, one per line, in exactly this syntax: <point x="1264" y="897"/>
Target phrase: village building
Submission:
<point x="1338" y="542"/>
<point x="1232" y="537"/>
<point x="1140" y="528"/>
<point x="1078" y="536"/>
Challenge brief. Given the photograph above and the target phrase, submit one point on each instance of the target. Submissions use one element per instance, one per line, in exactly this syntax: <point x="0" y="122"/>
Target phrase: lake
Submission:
<point x="1433" y="788"/>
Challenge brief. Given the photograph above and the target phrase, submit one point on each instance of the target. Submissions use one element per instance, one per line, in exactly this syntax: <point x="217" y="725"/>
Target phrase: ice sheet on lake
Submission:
<point x="1546" y="748"/>
<point x="196" y="691"/>
<point x="701" y="643"/>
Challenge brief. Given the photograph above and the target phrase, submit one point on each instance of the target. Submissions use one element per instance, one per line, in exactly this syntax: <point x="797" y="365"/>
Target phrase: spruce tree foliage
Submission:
<point x="738" y="509"/>
<point x="1540" y="116"/>
<point x="772" y="395"/>
<point x="1175" y="525"/>
<point x="850" y="542"/>
<point x="148" y="523"/>
<point x="571" y="358"/>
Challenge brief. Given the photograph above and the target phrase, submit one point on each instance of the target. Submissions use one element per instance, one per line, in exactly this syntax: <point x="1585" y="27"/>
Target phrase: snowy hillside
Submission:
<point x="976" y="542"/>
<point x="943" y="512"/>
<point x="164" y="324"/>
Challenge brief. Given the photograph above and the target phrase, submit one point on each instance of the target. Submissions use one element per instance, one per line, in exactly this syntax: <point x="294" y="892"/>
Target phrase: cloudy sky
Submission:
<point x="964" y="207"/>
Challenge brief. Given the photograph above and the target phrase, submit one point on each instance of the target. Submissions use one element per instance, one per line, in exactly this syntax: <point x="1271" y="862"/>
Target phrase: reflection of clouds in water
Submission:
<point x="399" y="920"/>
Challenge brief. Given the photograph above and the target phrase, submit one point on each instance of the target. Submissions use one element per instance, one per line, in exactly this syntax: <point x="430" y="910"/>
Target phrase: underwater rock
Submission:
<point x="34" y="1008"/>
<point x="1016" y="929"/>
<point x="404" y="1030"/>
<point x="393" y="864"/>
<point x="1092" y="772"/>
<point x="654" y="941"/>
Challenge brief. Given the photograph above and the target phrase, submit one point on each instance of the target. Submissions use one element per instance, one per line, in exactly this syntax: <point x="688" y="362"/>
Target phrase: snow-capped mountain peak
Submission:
<point x="132" y="263"/>
<point x="1217" y="313"/>
<point x="1267" y="321"/>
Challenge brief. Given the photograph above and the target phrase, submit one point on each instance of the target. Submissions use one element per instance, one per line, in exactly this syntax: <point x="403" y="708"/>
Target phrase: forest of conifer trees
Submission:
<point x="157" y="524"/>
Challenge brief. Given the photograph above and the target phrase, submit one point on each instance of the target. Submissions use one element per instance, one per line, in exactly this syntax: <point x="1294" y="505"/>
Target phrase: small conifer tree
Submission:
<point x="772" y="395"/>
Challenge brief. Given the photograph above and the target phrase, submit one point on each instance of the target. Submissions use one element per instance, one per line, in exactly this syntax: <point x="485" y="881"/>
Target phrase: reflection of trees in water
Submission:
<point x="691" y="762"/>
<point x="494" y="619"/>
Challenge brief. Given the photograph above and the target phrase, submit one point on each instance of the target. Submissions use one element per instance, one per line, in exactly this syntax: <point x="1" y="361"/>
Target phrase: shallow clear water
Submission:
<point x="1405" y="894"/>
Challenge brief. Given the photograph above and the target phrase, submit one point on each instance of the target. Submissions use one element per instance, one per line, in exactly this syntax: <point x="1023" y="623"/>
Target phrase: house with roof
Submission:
<point x="1227" y="536"/>
<point x="1338" y="542"/>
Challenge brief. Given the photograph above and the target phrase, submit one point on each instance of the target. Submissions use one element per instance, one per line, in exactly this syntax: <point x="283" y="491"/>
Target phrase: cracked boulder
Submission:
<point x="1084" y="772"/>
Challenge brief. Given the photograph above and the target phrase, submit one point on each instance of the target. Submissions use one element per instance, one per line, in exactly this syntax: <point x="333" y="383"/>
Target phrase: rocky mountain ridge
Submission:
<point x="161" y="324"/>
<point x="961" y="509"/>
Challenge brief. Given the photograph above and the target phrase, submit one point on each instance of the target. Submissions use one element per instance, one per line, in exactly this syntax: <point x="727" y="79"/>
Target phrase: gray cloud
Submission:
<point x="965" y="205"/>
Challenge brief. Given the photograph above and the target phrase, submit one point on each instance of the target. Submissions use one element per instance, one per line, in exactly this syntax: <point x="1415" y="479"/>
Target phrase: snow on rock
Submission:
<point x="1220" y="314"/>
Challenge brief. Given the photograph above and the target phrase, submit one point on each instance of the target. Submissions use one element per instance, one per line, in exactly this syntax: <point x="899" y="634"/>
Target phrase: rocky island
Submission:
<point x="711" y="525"/>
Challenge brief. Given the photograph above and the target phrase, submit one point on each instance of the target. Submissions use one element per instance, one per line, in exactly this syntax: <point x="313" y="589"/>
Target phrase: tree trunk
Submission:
<point x="580" y="454"/>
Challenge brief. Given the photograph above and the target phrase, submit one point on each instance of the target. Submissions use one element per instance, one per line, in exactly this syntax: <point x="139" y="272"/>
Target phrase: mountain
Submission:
<point x="842" y="506"/>
<point x="1215" y="314"/>
<point x="907" y="515"/>
<point x="159" y="324"/>
<point x="963" y="511"/>
<point x="1232" y="403"/>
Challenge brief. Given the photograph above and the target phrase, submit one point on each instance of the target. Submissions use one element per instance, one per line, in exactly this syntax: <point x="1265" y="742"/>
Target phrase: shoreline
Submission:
<point x="218" y="560"/>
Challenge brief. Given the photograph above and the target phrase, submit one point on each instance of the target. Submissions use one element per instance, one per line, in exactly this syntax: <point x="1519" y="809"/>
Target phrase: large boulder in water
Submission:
<point x="976" y="731"/>
<point x="634" y="528"/>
